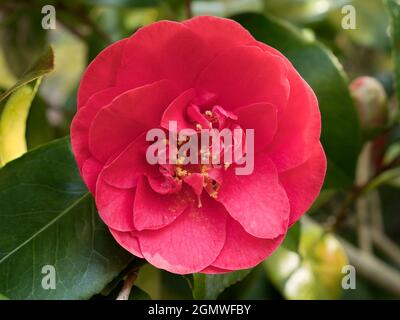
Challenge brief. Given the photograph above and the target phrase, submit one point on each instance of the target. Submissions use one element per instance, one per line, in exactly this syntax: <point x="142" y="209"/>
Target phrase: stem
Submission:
<point x="354" y="193"/>
<point x="128" y="284"/>
<point x="361" y="205"/>
<point x="130" y="279"/>
<point x="188" y="8"/>
<point x="376" y="211"/>
<point x="386" y="246"/>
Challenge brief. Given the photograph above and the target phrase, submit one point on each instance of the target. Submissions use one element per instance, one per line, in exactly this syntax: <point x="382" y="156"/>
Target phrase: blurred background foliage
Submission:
<point x="356" y="218"/>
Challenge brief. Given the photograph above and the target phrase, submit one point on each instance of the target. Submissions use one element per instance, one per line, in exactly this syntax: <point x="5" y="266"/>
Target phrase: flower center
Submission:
<point x="201" y="166"/>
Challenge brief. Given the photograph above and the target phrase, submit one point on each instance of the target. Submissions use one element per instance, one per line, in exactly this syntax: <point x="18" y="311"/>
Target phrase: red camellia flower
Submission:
<point x="210" y="72"/>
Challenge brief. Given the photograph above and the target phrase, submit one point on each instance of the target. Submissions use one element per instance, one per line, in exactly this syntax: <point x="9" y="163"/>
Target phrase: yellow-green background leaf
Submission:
<point x="314" y="272"/>
<point x="13" y="122"/>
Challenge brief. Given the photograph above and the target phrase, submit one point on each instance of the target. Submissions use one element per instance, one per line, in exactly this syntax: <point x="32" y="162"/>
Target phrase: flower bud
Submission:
<point x="371" y="102"/>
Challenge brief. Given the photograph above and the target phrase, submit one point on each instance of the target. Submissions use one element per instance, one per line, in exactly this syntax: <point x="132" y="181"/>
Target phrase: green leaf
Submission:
<point x="302" y="11"/>
<point x="15" y="113"/>
<point x="392" y="153"/>
<point x="371" y="23"/>
<point x="42" y="66"/>
<point x="314" y="272"/>
<point x="13" y="122"/>
<point x="394" y="11"/>
<point x="38" y="129"/>
<point x="138" y="294"/>
<point x="3" y="297"/>
<point x="124" y="3"/>
<point x="22" y="37"/>
<point x="209" y="286"/>
<point x="292" y="238"/>
<point x="323" y="72"/>
<point x="48" y="218"/>
<point x="388" y="177"/>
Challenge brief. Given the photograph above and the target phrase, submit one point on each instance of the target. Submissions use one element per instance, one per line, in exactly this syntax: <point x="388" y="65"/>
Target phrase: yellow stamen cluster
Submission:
<point x="181" y="173"/>
<point x="180" y="160"/>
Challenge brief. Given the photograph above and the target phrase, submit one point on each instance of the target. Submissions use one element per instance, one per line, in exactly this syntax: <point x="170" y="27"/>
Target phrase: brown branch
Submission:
<point x="376" y="211"/>
<point x="362" y="204"/>
<point x="386" y="246"/>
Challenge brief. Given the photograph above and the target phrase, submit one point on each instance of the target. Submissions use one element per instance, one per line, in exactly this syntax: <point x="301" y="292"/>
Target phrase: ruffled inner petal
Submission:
<point x="153" y="210"/>
<point x="257" y="201"/>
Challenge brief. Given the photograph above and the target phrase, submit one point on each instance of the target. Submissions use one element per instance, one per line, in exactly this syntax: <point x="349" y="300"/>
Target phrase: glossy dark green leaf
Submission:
<point x="48" y="218"/>
<point x="38" y="129"/>
<point x="209" y="286"/>
<point x="323" y="72"/>
<point x="43" y="65"/>
<point x="394" y="10"/>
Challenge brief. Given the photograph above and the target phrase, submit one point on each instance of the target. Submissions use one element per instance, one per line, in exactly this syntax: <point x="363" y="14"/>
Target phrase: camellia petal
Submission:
<point x="303" y="183"/>
<point x="153" y="210"/>
<point x="102" y="72"/>
<point x="118" y="124"/>
<point x="124" y="171"/>
<point x="90" y="172"/>
<point x="163" y="50"/>
<point x="257" y="201"/>
<point x="219" y="34"/>
<point x="214" y="270"/>
<point x="190" y="243"/>
<point x="245" y="75"/>
<point x="176" y="111"/>
<point x="299" y="126"/>
<point x="128" y="240"/>
<point x="83" y="120"/>
<point x="242" y="250"/>
<point x="262" y="117"/>
<point x="115" y="205"/>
